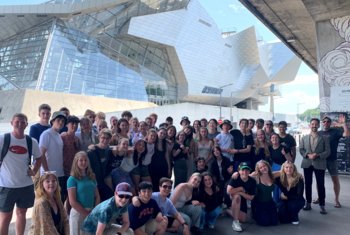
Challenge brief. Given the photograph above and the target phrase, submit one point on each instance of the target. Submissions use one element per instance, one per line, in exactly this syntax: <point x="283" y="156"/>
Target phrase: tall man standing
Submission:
<point x="334" y="134"/>
<point x="314" y="148"/>
<point x="16" y="185"/>
<point x="51" y="147"/>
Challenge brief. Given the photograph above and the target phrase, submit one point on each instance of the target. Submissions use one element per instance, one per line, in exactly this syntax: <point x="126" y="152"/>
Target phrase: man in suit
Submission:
<point x="314" y="149"/>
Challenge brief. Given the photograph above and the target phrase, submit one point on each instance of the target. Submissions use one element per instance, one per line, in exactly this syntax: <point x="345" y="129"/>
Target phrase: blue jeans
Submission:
<point x="209" y="217"/>
<point x="277" y="190"/>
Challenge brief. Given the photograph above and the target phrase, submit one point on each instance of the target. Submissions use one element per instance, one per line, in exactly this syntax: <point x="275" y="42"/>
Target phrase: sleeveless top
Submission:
<point x="264" y="192"/>
<point x="204" y="150"/>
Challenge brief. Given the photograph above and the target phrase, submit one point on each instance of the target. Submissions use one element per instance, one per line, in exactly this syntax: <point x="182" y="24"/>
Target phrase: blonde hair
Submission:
<point x="268" y="167"/>
<point x="295" y="176"/>
<point x="265" y="145"/>
<point x="200" y="136"/>
<point x="75" y="171"/>
<point x="40" y="191"/>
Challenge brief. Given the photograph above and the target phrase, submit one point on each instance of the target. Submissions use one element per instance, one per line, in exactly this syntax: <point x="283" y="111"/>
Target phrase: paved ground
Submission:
<point x="336" y="222"/>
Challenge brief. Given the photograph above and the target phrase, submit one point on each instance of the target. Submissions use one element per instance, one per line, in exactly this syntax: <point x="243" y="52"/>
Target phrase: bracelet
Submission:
<point x="184" y="223"/>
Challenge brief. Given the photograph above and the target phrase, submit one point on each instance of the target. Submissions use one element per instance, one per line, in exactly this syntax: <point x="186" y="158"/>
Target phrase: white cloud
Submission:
<point x="289" y="102"/>
<point x="304" y="79"/>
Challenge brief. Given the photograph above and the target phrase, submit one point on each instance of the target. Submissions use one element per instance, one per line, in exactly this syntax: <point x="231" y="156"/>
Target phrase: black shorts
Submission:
<point x="21" y="197"/>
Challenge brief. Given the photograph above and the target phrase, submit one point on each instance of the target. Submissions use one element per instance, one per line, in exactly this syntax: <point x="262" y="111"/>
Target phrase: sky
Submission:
<point x="302" y="92"/>
<point x="229" y="15"/>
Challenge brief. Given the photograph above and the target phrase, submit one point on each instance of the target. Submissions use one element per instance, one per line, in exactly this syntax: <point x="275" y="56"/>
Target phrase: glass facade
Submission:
<point x="85" y="54"/>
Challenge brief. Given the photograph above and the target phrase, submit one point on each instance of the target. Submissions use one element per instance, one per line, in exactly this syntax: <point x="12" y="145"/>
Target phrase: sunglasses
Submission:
<point x="326" y="121"/>
<point x="124" y="196"/>
<point x="166" y="186"/>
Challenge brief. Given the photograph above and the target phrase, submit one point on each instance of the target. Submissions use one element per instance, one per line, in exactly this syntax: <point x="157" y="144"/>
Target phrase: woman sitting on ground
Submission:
<point x="292" y="201"/>
<point x="210" y="199"/>
<point x="264" y="209"/>
<point x="49" y="216"/>
<point x="182" y="200"/>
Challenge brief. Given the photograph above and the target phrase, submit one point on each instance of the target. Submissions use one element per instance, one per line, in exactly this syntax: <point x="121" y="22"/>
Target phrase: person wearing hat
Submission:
<point x="185" y="121"/>
<point x="225" y="139"/>
<point x="51" y="147"/>
<point x="101" y="219"/>
<point x="240" y="190"/>
<point x="334" y="134"/>
<point x="146" y="216"/>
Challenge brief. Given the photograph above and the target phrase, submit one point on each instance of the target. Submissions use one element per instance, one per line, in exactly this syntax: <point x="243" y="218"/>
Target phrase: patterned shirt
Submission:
<point x="106" y="213"/>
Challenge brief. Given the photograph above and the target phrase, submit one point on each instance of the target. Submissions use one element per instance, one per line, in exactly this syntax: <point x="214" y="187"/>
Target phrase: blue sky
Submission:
<point x="232" y="15"/>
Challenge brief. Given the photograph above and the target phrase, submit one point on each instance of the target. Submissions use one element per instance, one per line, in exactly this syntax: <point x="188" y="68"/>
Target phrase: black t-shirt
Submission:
<point x="249" y="185"/>
<point x="181" y="155"/>
<point x="334" y="135"/>
<point x="288" y="142"/>
<point x="240" y="142"/>
<point x="276" y="155"/>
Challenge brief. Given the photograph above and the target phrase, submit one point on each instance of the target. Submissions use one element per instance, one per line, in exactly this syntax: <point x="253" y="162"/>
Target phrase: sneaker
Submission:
<point x="295" y="222"/>
<point x="236" y="226"/>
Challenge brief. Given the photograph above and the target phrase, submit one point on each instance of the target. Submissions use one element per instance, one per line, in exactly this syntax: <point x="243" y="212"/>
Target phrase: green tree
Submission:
<point x="310" y="113"/>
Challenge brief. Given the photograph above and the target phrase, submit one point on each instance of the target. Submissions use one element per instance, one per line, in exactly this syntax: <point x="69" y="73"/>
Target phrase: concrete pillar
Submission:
<point x="333" y="51"/>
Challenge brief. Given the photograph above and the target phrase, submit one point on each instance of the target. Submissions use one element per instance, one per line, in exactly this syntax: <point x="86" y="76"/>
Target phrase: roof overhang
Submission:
<point x="17" y="18"/>
<point x="294" y="22"/>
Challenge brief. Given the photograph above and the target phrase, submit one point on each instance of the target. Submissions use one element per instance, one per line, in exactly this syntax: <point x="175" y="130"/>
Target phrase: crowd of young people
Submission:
<point x="89" y="170"/>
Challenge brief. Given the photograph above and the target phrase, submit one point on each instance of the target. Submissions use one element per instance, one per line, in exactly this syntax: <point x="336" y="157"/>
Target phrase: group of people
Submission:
<point x="83" y="173"/>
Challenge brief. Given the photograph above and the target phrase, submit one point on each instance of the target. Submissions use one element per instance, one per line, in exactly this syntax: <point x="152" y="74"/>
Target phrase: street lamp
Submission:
<point x="221" y="89"/>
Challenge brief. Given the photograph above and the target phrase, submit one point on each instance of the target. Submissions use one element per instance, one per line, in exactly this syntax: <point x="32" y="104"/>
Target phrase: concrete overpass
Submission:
<point x="317" y="31"/>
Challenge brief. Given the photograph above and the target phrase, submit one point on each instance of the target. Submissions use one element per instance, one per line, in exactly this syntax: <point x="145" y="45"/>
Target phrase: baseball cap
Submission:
<point x="123" y="189"/>
<point x="243" y="166"/>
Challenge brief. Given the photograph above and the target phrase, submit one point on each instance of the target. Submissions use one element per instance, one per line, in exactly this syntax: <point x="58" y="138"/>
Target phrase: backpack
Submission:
<point x="6" y="145"/>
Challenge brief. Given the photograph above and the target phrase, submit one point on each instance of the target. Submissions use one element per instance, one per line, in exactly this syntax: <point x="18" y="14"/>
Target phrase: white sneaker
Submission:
<point x="295" y="222"/>
<point x="236" y="226"/>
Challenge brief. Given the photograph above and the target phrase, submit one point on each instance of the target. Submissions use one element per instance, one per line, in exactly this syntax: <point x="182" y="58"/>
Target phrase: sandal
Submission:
<point x="316" y="201"/>
<point x="337" y="205"/>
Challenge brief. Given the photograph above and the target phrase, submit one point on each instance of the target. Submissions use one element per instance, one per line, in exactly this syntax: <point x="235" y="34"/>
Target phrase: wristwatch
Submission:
<point x="184" y="223"/>
<point x="119" y="233"/>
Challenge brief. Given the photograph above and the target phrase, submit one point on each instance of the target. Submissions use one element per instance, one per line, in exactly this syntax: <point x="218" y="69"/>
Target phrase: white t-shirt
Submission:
<point x="51" y="140"/>
<point x="14" y="168"/>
